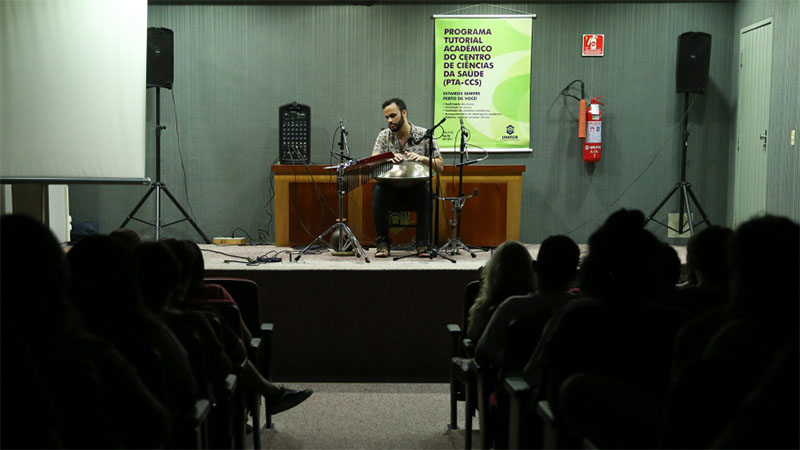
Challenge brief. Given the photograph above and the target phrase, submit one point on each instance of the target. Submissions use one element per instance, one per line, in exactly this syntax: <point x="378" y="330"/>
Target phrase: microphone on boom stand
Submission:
<point x="429" y="133"/>
<point x="344" y="149"/>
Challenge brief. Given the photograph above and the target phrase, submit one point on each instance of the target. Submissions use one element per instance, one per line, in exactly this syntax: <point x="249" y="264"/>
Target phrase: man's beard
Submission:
<point x="396" y="127"/>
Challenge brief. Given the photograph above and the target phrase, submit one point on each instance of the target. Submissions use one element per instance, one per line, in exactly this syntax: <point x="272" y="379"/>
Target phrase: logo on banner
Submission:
<point x="593" y="44"/>
<point x="510" y="136"/>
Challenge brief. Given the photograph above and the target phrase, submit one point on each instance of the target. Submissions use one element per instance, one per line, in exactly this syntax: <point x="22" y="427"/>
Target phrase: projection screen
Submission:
<point x="73" y="91"/>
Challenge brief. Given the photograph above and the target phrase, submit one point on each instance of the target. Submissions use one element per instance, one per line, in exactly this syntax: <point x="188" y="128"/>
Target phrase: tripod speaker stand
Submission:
<point x="158" y="187"/>
<point x="683" y="187"/>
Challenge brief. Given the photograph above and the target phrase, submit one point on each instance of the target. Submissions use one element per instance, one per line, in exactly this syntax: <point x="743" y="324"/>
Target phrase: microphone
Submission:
<point x="429" y="133"/>
<point x="341" y="125"/>
<point x="463" y="131"/>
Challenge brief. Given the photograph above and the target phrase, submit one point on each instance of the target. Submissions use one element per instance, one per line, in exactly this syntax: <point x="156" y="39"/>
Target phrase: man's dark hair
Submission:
<point x="556" y="263"/>
<point x="401" y="105"/>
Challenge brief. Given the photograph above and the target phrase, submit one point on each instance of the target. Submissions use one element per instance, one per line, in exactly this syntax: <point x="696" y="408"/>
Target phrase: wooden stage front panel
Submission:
<point x="306" y="204"/>
<point x="360" y="326"/>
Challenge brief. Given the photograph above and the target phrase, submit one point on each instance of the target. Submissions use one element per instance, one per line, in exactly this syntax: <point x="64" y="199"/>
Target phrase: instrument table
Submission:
<point x="306" y="204"/>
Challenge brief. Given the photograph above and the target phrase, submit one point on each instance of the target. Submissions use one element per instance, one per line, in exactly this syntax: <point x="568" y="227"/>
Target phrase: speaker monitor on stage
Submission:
<point x="694" y="56"/>
<point x="159" y="57"/>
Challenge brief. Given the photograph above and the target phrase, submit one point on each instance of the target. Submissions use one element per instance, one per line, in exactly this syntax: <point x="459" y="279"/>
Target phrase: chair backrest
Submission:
<point x="245" y="292"/>
<point x="470" y="294"/>
<point x="523" y="337"/>
<point x="230" y="313"/>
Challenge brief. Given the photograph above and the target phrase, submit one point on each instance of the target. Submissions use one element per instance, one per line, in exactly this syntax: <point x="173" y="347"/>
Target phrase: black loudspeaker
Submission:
<point x="694" y="58"/>
<point x="159" y="57"/>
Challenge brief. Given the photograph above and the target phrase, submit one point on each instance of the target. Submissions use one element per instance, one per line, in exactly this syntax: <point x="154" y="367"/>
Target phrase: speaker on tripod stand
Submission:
<point x="691" y="76"/>
<point x="160" y="65"/>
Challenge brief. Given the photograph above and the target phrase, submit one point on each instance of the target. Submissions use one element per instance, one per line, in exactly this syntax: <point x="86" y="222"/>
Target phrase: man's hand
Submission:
<point x="411" y="156"/>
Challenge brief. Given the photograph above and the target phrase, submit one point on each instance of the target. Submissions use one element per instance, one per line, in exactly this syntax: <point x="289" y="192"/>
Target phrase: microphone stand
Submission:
<point x="432" y="252"/>
<point x="454" y="244"/>
<point x="342" y="237"/>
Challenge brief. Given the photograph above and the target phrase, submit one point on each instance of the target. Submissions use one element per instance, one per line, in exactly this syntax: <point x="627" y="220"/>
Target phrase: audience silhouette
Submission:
<point x="708" y="271"/>
<point x="163" y="290"/>
<point x="200" y="294"/>
<point x="62" y="386"/>
<point x="554" y="270"/>
<point x="111" y="345"/>
<point x="508" y="272"/>
<point x="748" y="361"/>
<point x="106" y="291"/>
<point x="616" y="336"/>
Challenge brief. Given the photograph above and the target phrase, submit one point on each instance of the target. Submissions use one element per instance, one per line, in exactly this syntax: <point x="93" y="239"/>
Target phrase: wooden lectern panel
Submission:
<point x="306" y="204"/>
<point x="313" y="208"/>
<point x="483" y="217"/>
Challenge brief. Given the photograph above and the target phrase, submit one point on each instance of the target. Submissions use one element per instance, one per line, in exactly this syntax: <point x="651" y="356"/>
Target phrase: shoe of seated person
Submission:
<point x="422" y="251"/>
<point x="287" y="399"/>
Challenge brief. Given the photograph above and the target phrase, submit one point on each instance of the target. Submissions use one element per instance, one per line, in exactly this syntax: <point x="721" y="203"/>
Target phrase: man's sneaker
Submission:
<point x="382" y="250"/>
<point x="287" y="399"/>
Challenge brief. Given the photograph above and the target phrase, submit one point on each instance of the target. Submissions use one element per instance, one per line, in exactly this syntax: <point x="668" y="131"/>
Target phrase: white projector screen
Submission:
<point x="73" y="90"/>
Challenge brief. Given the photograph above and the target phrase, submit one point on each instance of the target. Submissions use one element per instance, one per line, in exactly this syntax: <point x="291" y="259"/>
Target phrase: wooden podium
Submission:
<point x="306" y="205"/>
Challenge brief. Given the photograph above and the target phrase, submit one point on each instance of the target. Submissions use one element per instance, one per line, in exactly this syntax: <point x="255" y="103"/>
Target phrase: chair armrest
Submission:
<point x="202" y="408"/>
<point x="587" y="444"/>
<point x="229" y="385"/>
<point x="543" y="408"/>
<point x="519" y="392"/>
<point x="255" y="345"/>
<point x="455" y="332"/>
<point x="550" y="433"/>
<point x="517" y="387"/>
<point x="469" y="347"/>
<point x="266" y="330"/>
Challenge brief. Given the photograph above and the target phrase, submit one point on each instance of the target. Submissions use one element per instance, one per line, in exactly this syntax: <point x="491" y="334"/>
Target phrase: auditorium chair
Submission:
<point x="522" y="338"/>
<point x="462" y="384"/>
<point x="218" y="430"/>
<point x="192" y="428"/>
<point x="222" y="421"/>
<point x="246" y="294"/>
<point x="526" y="430"/>
<point x="243" y="400"/>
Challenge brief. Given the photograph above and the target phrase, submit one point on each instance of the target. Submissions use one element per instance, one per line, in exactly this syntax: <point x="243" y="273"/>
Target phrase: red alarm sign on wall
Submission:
<point x="593" y="44"/>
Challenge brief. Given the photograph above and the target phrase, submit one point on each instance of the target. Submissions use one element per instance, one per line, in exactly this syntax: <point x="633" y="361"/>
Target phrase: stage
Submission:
<point x="343" y="319"/>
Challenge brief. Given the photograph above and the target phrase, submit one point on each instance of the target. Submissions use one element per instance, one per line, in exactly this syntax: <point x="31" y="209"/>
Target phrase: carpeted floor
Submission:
<point x="368" y="416"/>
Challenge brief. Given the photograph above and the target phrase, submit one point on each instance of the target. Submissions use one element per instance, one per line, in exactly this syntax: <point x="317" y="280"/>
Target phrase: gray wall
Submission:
<point x="783" y="160"/>
<point x="235" y="64"/>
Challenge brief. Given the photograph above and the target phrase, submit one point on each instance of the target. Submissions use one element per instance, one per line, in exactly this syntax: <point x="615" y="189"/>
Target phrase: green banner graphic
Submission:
<point x="483" y="76"/>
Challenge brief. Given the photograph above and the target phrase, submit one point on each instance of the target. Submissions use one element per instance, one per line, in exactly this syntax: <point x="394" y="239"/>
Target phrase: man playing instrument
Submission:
<point x="405" y="141"/>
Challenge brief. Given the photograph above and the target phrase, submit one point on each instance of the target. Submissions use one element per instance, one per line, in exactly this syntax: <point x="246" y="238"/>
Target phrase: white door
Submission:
<point x="752" y="123"/>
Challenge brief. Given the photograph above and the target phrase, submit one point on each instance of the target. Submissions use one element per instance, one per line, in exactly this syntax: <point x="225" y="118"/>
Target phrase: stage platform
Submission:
<point x="342" y="319"/>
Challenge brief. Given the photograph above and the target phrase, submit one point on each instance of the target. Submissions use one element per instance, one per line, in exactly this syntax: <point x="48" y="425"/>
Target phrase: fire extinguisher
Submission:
<point x="593" y="142"/>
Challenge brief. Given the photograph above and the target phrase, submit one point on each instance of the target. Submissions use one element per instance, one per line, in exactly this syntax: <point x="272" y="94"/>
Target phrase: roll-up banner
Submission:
<point x="483" y="76"/>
